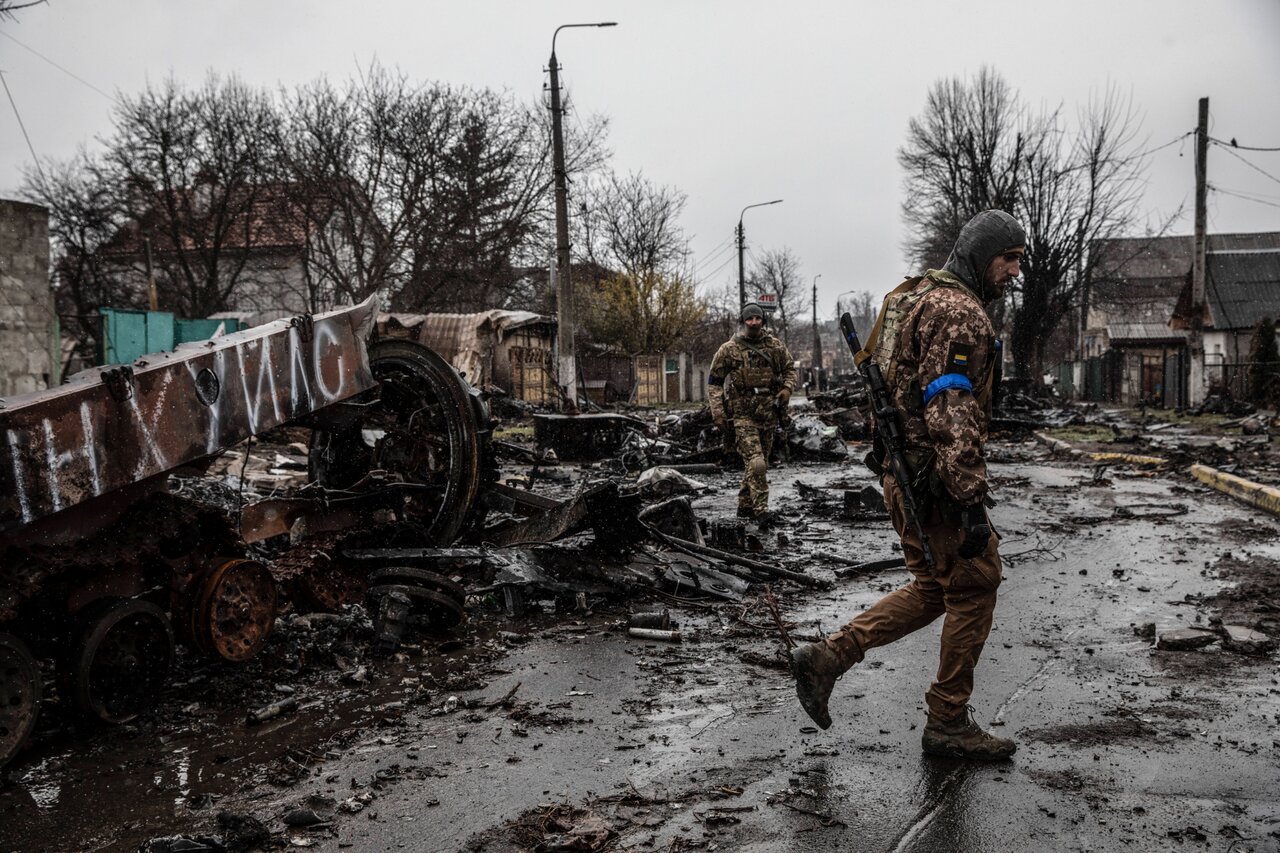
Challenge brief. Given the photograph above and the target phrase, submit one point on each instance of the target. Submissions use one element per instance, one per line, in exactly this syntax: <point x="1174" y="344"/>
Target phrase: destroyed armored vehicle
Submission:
<point x="102" y="570"/>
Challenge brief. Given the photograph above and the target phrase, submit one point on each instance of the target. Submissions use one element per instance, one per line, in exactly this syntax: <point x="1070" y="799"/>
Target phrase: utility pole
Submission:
<point x="566" y="364"/>
<point x="817" y="341"/>
<point x="1195" y="341"/>
<point x="742" y="242"/>
<point x="153" y="298"/>
<point x="742" y="285"/>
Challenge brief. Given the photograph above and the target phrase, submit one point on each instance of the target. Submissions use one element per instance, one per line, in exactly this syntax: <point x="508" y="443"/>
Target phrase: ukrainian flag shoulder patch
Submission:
<point x="958" y="357"/>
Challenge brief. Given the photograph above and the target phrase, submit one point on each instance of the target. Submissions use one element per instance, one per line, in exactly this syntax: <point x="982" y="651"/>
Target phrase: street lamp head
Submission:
<point x="760" y="204"/>
<point x="568" y="26"/>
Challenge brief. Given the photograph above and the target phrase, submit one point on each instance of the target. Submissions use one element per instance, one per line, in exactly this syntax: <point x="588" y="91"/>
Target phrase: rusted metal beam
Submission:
<point x="111" y="427"/>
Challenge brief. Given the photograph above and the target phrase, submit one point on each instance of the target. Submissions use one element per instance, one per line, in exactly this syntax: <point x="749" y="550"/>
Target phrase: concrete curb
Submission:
<point x="1263" y="497"/>
<point x="1132" y="458"/>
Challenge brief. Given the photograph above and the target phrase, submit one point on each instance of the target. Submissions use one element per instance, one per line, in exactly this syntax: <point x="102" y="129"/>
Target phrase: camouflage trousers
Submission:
<point x="754" y="443"/>
<point x="963" y="591"/>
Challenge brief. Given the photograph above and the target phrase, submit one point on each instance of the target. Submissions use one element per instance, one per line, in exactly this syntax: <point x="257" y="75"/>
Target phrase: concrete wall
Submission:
<point x="28" y="322"/>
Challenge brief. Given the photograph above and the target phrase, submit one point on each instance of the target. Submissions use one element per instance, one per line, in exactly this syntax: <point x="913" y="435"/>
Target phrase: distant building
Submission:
<point x="1241" y="287"/>
<point x="1134" y="344"/>
<point x="28" y="321"/>
<point x="270" y="245"/>
<point x="508" y="349"/>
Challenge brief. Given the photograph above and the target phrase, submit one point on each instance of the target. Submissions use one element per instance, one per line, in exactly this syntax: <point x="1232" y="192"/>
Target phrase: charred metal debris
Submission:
<point x="306" y="466"/>
<point x="309" y="470"/>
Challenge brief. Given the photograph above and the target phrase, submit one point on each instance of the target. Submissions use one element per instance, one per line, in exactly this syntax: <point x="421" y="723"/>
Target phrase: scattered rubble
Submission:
<point x="1186" y="639"/>
<point x="393" y="537"/>
<point x="1247" y="641"/>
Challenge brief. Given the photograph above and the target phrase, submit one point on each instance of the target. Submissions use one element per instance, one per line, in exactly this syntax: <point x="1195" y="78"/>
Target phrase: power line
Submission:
<point x="1234" y="144"/>
<point x="1242" y="196"/>
<point x="714" y="253"/>
<point x="21" y="125"/>
<point x="1261" y="171"/>
<point x="1173" y="141"/>
<point x="716" y="271"/>
<point x="1122" y="161"/>
<point x="1254" y="194"/>
<point x="70" y="74"/>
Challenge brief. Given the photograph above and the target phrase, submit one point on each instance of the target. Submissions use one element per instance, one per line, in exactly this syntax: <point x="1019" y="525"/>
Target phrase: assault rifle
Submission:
<point x="889" y="433"/>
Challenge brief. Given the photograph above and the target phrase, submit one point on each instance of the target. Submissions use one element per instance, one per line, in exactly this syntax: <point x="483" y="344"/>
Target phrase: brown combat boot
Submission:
<point x="961" y="737"/>
<point x="816" y="668"/>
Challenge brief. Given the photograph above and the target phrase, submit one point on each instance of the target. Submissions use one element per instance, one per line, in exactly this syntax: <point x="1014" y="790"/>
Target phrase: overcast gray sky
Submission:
<point x="733" y="102"/>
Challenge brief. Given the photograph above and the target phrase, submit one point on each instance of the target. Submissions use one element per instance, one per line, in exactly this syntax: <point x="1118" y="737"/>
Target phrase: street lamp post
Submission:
<point x="742" y="286"/>
<point x="566" y="366"/>
<point x="817" y="342"/>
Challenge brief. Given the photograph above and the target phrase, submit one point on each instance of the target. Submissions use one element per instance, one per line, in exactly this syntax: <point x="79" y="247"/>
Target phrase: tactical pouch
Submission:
<point x="924" y="480"/>
<point x="949" y="508"/>
<point x="915" y="398"/>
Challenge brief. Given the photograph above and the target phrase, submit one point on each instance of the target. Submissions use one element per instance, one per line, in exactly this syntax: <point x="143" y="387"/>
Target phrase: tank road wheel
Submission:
<point x="20" y="688"/>
<point x="233" y="610"/>
<point x="421" y="425"/>
<point x="119" y="659"/>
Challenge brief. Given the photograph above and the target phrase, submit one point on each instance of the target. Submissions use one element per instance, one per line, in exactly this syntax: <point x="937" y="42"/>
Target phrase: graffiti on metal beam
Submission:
<point x="106" y="429"/>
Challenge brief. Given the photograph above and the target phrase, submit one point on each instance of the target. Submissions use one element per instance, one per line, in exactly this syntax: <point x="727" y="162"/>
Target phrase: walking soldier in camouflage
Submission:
<point x="936" y="347"/>
<point x="752" y="376"/>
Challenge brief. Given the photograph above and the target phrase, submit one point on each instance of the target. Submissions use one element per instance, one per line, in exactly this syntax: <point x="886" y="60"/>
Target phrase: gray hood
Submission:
<point x="982" y="238"/>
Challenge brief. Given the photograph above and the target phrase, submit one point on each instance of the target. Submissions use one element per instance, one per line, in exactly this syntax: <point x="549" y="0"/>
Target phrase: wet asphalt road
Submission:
<point x="1120" y="747"/>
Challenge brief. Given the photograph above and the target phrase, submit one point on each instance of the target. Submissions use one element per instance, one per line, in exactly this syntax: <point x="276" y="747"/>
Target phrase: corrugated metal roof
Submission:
<point x="1137" y="258"/>
<point x="464" y="339"/>
<point x="1161" y="263"/>
<point x="1151" y="332"/>
<point x="1242" y="287"/>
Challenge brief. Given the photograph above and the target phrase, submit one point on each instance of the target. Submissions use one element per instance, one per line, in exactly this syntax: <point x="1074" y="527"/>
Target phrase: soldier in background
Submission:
<point x="937" y="349"/>
<point x="752" y="377"/>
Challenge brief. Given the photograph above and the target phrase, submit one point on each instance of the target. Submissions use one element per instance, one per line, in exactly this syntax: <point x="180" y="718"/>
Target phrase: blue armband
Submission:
<point x="947" y="380"/>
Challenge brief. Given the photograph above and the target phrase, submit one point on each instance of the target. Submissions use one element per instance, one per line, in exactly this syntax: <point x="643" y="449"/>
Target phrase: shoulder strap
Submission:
<point x="869" y="345"/>
<point x="773" y="363"/>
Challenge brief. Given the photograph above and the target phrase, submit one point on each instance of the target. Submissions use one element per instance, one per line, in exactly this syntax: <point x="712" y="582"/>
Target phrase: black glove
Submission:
<point x="977" y="531"/>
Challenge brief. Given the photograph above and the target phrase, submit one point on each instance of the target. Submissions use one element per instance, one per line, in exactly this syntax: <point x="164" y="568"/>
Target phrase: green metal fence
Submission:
<point x="128" y="335"/>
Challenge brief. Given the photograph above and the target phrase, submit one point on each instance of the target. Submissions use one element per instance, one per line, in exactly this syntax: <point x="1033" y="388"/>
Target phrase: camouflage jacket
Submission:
<point x="748" y="374"/>
<point x="945" y="332"/>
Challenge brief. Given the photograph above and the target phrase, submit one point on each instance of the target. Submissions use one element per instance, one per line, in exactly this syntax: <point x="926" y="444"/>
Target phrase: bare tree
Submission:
<point x="196" y="165"/>
<point x="962" y="155"/>
<point x="975" y="147"/>
<point x="337" y="172"/>
<point x="8" y="7"/>
<point x="863" y="306"/>
<point x="487" y="209"/>
<point x="437" y="197"/>
<point x="777" y="271"/>
<point x="632" y="225"/>
<point x="1077" y="189"/>
<point x="85" y="212"/>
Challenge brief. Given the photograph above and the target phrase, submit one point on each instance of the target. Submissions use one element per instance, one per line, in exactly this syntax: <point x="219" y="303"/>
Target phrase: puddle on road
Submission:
<point x="153" y="785"/>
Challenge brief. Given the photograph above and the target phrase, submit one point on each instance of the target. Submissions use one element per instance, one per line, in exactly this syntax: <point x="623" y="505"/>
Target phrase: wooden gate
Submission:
<point x="649" y="379"/>
<point x="531" y="378"/>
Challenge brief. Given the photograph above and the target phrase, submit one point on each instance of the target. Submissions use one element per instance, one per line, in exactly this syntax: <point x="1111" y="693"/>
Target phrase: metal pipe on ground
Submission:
<point x="755" y="565"/>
